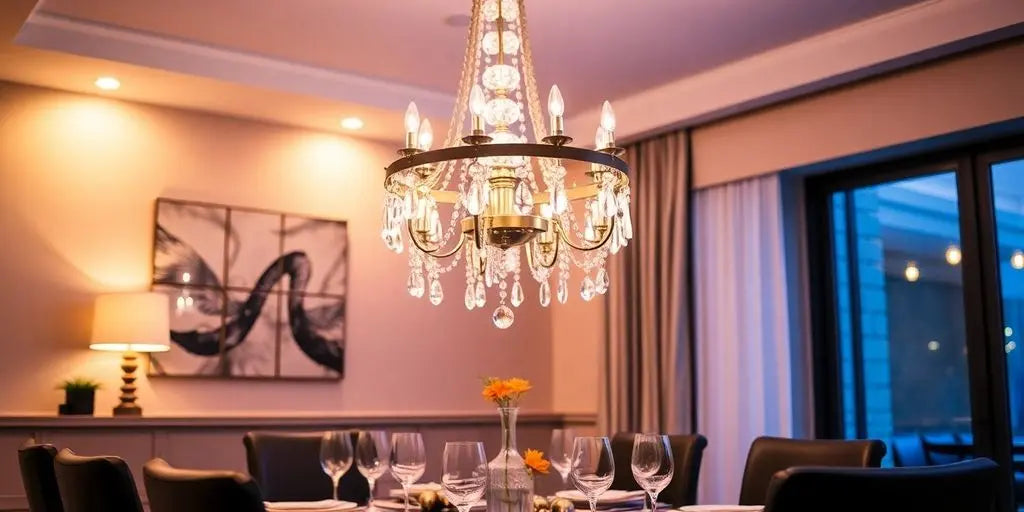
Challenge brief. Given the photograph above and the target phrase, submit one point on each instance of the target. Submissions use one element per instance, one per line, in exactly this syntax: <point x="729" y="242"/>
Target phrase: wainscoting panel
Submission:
<point x="216" y="443"/>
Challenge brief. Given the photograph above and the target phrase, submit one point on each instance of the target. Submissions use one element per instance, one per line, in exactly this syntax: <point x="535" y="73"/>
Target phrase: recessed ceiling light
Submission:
<point x="108" y="83"/>
<point x="352" y="123"/>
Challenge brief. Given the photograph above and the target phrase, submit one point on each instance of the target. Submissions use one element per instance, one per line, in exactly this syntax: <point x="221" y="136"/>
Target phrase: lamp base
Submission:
<point x="127" y="410"/>
<point x="128" y="407"/>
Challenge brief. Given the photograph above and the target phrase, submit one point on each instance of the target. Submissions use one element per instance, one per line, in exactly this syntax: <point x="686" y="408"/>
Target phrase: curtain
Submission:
<point x="742" y="332"/>
<point x="646" y="357"/>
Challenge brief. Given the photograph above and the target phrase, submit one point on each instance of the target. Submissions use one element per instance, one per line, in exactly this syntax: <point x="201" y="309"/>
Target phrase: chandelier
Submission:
<point x="491" y="199"/>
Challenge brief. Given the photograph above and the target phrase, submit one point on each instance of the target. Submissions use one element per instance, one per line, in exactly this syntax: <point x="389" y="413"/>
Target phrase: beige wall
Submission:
<point x="78" y="179"/>
<point x="947" y="96"/>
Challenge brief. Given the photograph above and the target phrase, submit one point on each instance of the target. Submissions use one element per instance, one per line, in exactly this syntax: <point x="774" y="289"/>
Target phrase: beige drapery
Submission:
<point x="646" y="359"/>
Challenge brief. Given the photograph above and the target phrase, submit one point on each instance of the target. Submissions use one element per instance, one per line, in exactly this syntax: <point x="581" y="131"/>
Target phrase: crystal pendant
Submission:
<point x="615" y="244"/>
<point x="410" y="204"/>
<point x="517" y="294"/>
<point x="476" y="197"/>
<point x="436" y="293"/>
<point x="415" y="284"/>
<point x="523" y="199"/>
<point x="481" y="295"/>
<point x="470" y="299"/>
<point x="544" y="295"/>
<point x="608" y="203"/>
<point x="587" y="289"/>
<point x="503" y="317"/>
<point x="601" y="283"/>
<point x="588" y="231"/>
<point x="563" y="290"/>
<point x="436" y="231"/>
<point x="559" y="201"/>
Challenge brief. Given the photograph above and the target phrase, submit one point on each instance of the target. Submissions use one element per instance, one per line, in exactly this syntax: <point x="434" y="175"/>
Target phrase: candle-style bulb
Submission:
<point x="608" y="117"/>
<point x="477" y="101"/>
<point x="426" y="135"/>
<point x="412" y="118"/>
<point x="556" y="105"/>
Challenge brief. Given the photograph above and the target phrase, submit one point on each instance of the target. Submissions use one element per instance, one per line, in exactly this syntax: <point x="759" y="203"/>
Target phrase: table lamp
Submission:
<point x="131" y="323"/>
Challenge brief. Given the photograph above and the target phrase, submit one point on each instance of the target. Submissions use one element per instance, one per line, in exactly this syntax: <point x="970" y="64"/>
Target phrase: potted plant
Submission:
<point x="79" y="396"/>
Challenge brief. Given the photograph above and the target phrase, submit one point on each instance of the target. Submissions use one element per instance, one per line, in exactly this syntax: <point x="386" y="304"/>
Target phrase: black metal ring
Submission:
<point x="515" y="149"/>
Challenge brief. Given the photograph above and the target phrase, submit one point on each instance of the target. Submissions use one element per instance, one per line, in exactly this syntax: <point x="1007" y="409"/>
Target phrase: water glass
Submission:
<point x="593" y="467"/>
<point x="560" y="453"/>
<point x="335" y="456"/>
<point x="652" y="464"/>
<point x="373" y="452"/>
<point x="464" y="476"/>
<point x="408" y="460"/>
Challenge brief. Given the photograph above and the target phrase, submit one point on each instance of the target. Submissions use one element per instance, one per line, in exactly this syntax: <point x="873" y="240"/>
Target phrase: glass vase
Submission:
<point x="509" y="483"/>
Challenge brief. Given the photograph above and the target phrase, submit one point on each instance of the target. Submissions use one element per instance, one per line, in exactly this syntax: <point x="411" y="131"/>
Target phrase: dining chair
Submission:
<point x="95" y="484"/>
<point x="36" y="463"/>
<point x="957" y="487"/>
<point x="769" y="455"/>
<point x="908" y="450"/>
<point x="687" y="452"/>
<point x="171" y="489"/>
<point x="286" y="467"/>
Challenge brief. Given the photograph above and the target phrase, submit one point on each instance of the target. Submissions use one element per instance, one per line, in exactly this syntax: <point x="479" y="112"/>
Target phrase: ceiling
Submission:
<point x="330" y="58"/>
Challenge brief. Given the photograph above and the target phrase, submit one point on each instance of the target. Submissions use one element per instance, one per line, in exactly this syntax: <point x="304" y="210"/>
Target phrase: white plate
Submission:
<point x="609" y="497"/>
<point x="721" y="508"/>
<point x="309" y="506"/>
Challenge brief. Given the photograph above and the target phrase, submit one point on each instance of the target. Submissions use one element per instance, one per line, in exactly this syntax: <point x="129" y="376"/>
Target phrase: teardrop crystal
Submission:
<point x="559" y="201"/>
<point x="587" y="289"/>
<point x="503" y="317"/>
<point x="475" y="199"/>
<point x="544" y="294"/>
<point x="470" y="299"/>
<point x="563" y="290"/>
<point x="523" y="198"/>
<point x="608" y="202"/>
<point x="588" y="230"/>
<point x="601" y="283"/>
<point x="410" y="205"/>
<point x="415" y="284"/>
<point x="436" y="293"/>
<point x="517" y="294"/>
<point x="481" y="295"/>
<point x="615" y="244"/>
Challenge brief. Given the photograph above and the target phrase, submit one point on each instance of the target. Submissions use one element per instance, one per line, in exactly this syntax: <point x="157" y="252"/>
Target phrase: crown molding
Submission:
<point x="894" y="40"/>
<point x="49" y="31"/>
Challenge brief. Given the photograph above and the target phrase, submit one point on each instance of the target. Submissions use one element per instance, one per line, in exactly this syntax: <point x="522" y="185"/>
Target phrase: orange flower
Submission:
<point x="535" y="461"/>
<point x="495" y="390"/>
<point x="517" y="385"/>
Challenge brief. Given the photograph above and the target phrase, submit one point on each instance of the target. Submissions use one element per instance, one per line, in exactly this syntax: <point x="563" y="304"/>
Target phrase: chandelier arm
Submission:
<point x="530" y="257"/>
<point x="604" y="240"/>
<point x="510" y="149"/>
<point x="433" y="252"/>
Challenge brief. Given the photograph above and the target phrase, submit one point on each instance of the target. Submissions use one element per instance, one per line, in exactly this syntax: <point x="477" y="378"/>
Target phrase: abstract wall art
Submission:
<point x="253" y="294"/>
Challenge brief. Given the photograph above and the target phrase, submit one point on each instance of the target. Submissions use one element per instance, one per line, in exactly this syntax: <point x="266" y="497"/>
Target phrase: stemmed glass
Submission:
<point x="335" y="456"/>
<point x="408" y="460"/>
<point x="561" y="451"/>
<point x="373" y="452"/>
<point x="593" y="467"/>
<point x="465" y="473"/>
<point x="652" y="464"/>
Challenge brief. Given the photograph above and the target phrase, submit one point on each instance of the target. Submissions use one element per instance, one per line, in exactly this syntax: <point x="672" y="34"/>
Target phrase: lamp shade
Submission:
<point x="131" y="321"/>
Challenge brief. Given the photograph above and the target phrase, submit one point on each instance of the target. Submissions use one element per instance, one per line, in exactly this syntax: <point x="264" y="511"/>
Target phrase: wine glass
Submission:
<point x="373" y="452"/>
<point x="652" y="464"/>
<point x="335" y="456"/>
<point x="593" y="467"/>
<point x="561" y="451"/>
<point x="464" y="477"/>
<point x="408" y="460"/>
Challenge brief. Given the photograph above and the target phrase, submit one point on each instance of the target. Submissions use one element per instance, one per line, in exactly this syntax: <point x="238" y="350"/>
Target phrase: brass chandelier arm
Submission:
<point x="530" y="256"/>
<point x="433" y="252"/>
<point x="601" y="243"/>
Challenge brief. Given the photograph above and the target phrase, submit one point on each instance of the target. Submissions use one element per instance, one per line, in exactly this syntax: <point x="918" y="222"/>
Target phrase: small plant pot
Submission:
<point x="78" y="401"/>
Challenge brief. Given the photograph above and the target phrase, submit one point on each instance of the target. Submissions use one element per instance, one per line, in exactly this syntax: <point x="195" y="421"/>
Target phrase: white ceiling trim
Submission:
<point x="59" y="33"/>
<point x="899" y="38"/>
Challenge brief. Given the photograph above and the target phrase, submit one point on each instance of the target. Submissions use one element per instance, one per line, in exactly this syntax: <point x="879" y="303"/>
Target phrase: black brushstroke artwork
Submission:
<point x="316" y="330"/>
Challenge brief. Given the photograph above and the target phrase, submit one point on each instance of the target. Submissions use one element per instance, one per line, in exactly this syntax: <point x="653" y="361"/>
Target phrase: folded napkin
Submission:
<point x="309" y="506"/>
